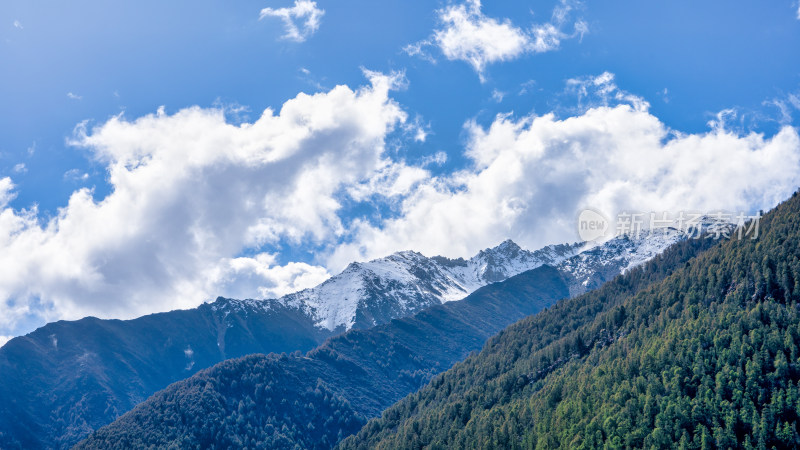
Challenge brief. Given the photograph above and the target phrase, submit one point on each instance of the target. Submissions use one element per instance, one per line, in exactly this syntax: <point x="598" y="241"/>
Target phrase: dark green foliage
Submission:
<point x="242" y="403"/>
<point x="314" y="401"/>
<point x="707" y="358"/>
<point x="67" y="379"/>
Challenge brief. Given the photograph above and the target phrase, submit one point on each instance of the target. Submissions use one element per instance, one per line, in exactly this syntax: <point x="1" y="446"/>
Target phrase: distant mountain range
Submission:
<point x="67" y="379"/>
<point x="315" y="400"/>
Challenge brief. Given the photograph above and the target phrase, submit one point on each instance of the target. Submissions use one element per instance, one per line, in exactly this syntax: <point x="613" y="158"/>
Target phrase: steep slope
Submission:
<point x="595" y="265"/>
<point x="68" y="378"/>
<point x="707" y="358"/>
<point x="273" y="399"/>
<point x="315" y="400"/>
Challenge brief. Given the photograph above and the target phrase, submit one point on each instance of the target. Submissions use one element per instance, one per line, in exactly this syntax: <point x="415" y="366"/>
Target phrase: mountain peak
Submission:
<point x="504" y="246"/>
<point x="507" y="245"/>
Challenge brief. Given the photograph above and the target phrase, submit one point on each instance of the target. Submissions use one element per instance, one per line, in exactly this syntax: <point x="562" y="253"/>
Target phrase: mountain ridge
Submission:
<point x="174" y="346"/>
<point x="361" y="371"/>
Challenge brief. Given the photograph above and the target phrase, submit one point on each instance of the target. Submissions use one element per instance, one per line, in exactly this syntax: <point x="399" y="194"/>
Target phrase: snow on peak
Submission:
<point x="598" y="263"/>
<point x="373" y="292"/>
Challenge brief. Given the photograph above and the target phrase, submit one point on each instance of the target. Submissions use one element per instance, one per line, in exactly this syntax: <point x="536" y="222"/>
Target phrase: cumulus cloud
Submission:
<point x="300" y="21"/>
<point x="468" y="35"/>
<point x="261" y="276"/>
<point x="18" y="25"/>
<point x="20" y="168"/>
<point x="530" y="176"/>
<point x="73" y="96"/>
<point x="190" y="192"/>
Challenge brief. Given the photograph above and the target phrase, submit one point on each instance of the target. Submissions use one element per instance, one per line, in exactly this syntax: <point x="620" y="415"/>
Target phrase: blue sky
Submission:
<point x="68" y="69"/>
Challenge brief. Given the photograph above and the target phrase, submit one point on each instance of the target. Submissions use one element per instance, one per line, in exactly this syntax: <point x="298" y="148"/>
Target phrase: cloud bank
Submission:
<point x="532" y="175"/>
<point x="300" y="21"/>
<point x="190" y="193"/>
<point x="201" y="207"/>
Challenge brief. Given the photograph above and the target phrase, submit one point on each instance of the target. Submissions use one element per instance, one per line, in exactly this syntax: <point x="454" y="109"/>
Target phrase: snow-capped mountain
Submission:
<point x="102" y="368"/>
<point x="370" y="293"/>
<point x="597" y="264"/>
<point x="374" y="292"/>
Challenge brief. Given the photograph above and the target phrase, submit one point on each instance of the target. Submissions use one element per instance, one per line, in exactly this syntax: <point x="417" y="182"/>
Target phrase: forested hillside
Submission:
<point x="69" y="378"/>
<point x="316" y="400"/>
<point x="707" y="358"/>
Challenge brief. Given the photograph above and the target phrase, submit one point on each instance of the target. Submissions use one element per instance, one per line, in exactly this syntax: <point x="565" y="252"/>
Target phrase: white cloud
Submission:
<point x="392" y="181"/>
<point x="527" y="87"/>
<point x="311" y="79"/>
<point x="417" y="129"/>
<point x="261" y="277"/>
<point x="190" y="192"/>
<point x="794" y="100"/>
<point x="531" y="176"/>
<point x="498" y="96"/>
<point x="20" y="168"/>
<point x="18" y="25"/>
<point x="72" y="96"/>
<point x="305" y="12"/>
<point x="6" y="192"/>
<point x="602" y="90"/>
<point x="76" y="175"/>
<point x="786" y="106"/>
<point x="436" y="159"/>
<point x="468" y="35"/>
